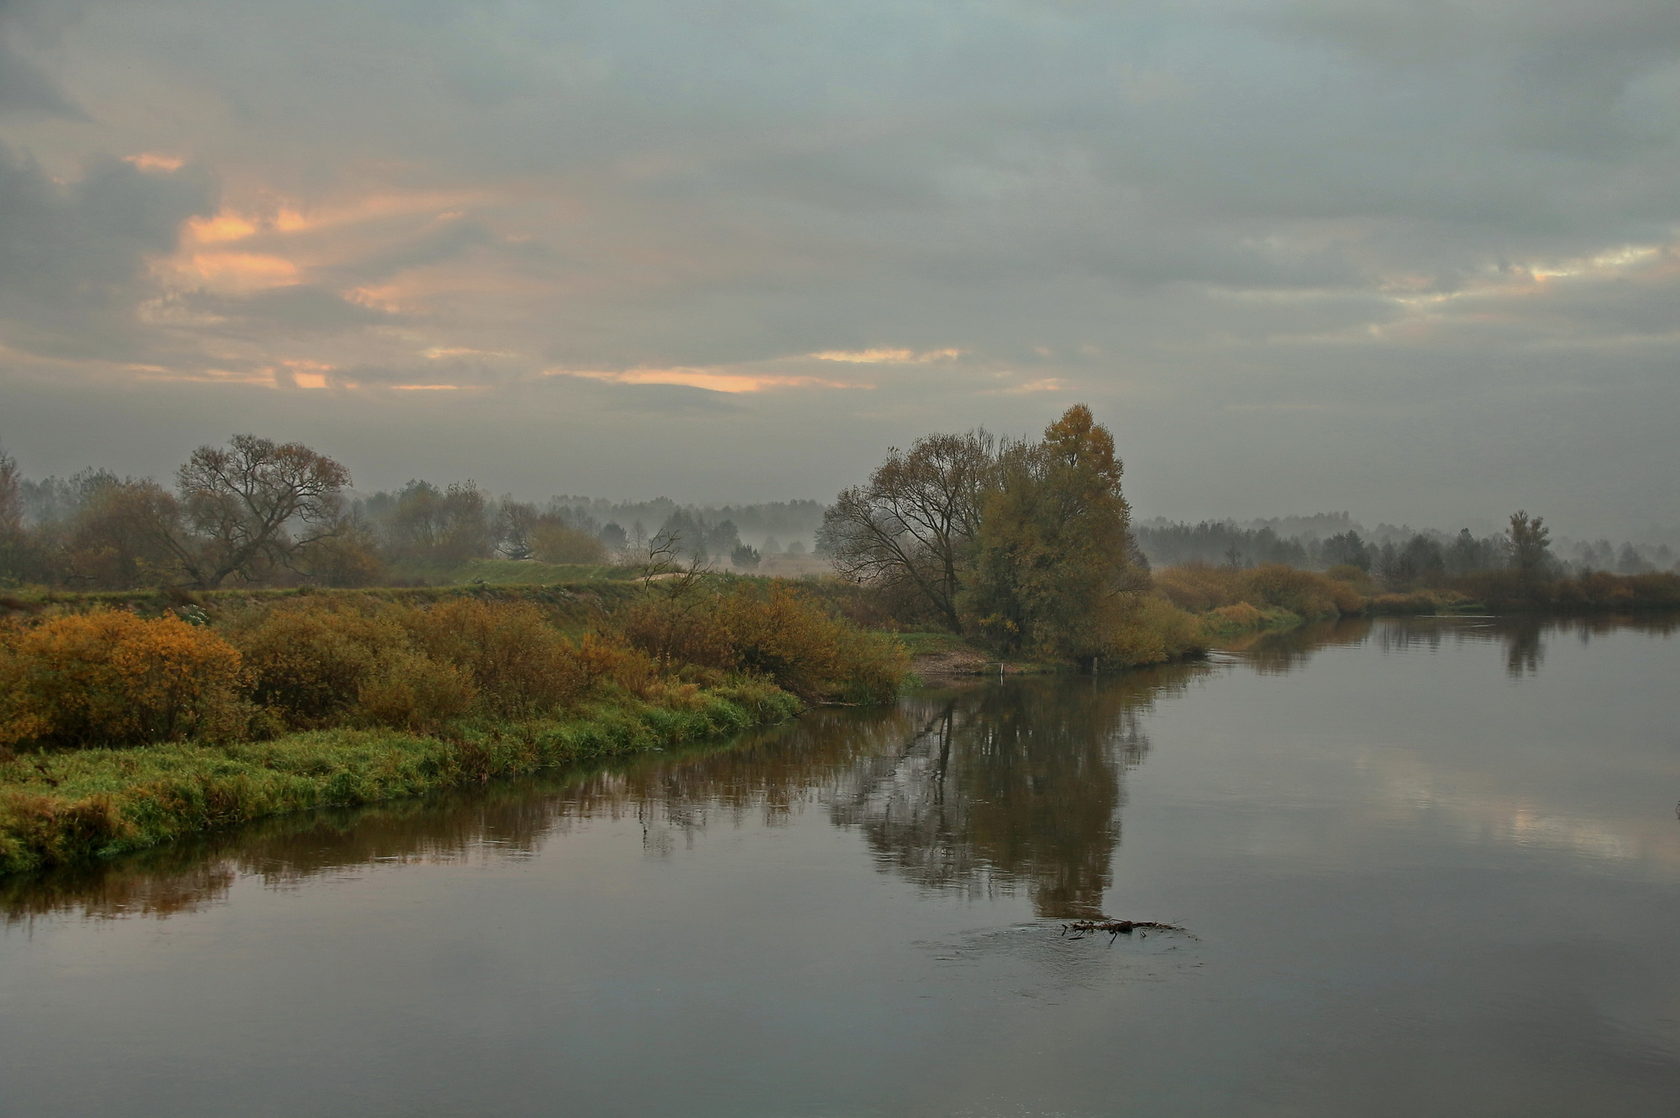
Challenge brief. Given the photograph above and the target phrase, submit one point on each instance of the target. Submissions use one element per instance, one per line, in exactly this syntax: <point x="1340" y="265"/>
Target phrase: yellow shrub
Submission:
<point x="520" y="664"/>
<point x="1150" y="630"/>
<point x="679" y="631"/>
<point x="111" y="678"/>
<point x="604" y="660"/>
<point x="310" y="660"/>
<point x="1303" y="593"/>
<point x="773" y="631"/>
<point x="1198" y="587"/>
<point x="409" y="690"/>
<point x="1233" y="619"/>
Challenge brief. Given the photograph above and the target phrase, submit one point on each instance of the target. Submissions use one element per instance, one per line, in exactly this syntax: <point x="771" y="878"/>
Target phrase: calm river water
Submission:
<point x="1424" y="867"/>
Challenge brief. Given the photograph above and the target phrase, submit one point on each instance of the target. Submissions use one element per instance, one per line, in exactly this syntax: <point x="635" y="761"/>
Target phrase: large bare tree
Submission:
<point x="910" y="527"/>
<point x="255" y="505"/>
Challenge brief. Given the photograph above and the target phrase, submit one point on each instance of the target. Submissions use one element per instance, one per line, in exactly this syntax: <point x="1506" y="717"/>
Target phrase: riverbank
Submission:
<point x="120" y="731"/>
<point x="77" y="806"/>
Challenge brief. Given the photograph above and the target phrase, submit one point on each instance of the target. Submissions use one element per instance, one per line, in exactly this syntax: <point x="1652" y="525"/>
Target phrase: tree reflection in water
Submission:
<point x="1010" y="787"/>
<point x="1523" y="637"/>
<point x="983" y="788"/>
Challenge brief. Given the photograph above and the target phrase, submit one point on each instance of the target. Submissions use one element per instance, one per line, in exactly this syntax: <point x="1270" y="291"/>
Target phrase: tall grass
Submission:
<point x="71" y="806"/>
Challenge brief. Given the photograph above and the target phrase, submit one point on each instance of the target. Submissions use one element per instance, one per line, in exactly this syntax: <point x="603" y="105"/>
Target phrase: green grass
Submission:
<point x="929" y="643"/>
<point x="523" y="572"/>
<point x="72" y="807"/>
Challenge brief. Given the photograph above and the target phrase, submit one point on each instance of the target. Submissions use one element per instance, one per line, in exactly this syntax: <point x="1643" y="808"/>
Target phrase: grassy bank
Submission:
<point x="73" y="806"/>
<point x="121" y="729"/>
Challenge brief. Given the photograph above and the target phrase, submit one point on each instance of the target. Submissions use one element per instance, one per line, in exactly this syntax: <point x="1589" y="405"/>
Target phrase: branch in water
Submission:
<point x="1079" y="929"/>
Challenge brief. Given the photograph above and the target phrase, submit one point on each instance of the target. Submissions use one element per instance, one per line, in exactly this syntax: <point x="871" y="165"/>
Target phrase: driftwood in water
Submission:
<point x="1079" y="929"/>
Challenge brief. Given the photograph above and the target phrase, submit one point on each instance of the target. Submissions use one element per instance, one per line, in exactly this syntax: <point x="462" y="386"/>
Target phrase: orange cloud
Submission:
<point x="154" y="161"/>
<point x="886" y="356"/>
<point x="1045" y="384"/>
<point x="219" y="228"/>
<point x="711" y="380"/>
<point x="440" y="352"/>
<point x="243" y="270"/>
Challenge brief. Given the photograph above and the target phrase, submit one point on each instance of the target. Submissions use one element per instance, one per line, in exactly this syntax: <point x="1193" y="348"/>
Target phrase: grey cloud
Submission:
<point x="24" y="87"/>
<point x="435" y="246"/>
<point x="291" y="310"/>
<point x="73" y="256"/>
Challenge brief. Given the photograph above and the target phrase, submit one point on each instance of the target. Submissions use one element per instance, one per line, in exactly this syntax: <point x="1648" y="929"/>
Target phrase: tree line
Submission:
<point x="265" y="513"/>
<point x="1399" y="558"/>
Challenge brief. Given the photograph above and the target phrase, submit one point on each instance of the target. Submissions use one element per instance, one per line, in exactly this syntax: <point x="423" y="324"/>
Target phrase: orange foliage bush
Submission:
<point x="1151" y="630"/>
<point x="519" y="663"/>
<point x="773" y="631"/>
<point x="310" y="661"/>
<point x="110" y="678"/>
<point x="1201" y="588"/>
<point x="411" y="691"/>
<point x="605" y="659"/>
<point x="1303" y="593"/>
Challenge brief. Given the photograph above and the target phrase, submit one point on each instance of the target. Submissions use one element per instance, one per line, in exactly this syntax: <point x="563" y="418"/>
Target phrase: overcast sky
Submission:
<point x="1418" y="260"/>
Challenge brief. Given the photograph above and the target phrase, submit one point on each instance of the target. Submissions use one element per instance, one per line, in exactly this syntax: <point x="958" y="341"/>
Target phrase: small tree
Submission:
<point x="1345" y="549"/>
<point x="14" y="540"/>
<point x="1529" y="544"/>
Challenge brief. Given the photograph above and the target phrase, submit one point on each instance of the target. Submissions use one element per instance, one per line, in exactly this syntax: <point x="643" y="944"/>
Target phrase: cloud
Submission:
<point x="880" y="355"/>
<point x="25" y="88"/>
<point x="1221" y="222"/>
<point x="74" y="255"/>
<point x="725" y="380"/>
<point x="290" y="310"/>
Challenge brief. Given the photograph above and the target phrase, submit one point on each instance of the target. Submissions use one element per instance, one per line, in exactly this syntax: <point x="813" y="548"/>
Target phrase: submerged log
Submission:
<point x="1079" y="929"/>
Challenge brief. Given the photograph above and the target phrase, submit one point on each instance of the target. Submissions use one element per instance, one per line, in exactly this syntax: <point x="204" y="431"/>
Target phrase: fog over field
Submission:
<point x="1416" y="261"/>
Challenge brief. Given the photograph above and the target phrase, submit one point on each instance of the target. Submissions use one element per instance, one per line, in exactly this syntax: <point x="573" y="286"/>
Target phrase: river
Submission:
<point x="1422" y="867"/>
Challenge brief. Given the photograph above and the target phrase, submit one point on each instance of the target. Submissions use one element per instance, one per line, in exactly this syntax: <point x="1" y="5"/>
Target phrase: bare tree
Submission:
<point x="255" y="505"/>
<point x="911" y="525"/>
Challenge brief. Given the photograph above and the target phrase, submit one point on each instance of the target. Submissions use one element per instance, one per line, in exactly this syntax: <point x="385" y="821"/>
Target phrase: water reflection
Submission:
<point x="983" y="788"/>
<point x="986" y="789"/>
<point x="1011" y="787"/>
<point x="1281" y="653"/>
<point x="1524" y="638"/>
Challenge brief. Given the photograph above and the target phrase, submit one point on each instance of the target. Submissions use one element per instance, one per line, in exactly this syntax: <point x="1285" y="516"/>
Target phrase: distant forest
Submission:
<point x="1399" y="556"/>
<point x="257" y="512"/>
<point x="95" y="530"/>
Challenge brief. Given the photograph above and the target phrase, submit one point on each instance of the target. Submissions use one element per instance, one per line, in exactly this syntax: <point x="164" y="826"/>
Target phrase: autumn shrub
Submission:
<point x="1355" y="578"/>
<point x="1199" y="587"/>
<point x="610" y="661"/>
<point x="1304" y="593"/>
<point x="519" y="663"/>
<point x="679" y="630"/>
<point x="1601" y="590"/>
<point x="109" y="677"/>
<point x="780" y="633"/>
<point x="408" y="690"/>
<point x="20" y="719"/>
<point x="1226" y="620"/>
<point x="774" y="631"/>
<point x="1151" y="630"/>
<point x="310" y="660"/>
<point x="1506" y="590"/>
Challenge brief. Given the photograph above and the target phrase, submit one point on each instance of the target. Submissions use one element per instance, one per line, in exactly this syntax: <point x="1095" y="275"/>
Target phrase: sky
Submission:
<point x="1417" y="260"/>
